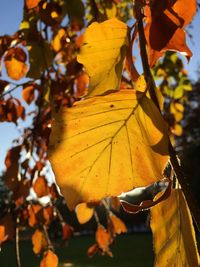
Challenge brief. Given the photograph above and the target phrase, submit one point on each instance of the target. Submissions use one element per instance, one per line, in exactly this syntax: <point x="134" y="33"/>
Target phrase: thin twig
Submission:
<point x="191" y="200"/>
<point x="49" y="244"/>
<point x="17" y="251"/>
<point x="10" y="91"/>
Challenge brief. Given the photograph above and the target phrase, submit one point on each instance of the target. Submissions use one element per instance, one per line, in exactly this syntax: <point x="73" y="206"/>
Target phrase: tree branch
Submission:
<point x="183" y="181"/>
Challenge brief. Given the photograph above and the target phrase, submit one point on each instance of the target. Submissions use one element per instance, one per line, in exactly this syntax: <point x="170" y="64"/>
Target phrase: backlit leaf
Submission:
<point x="164" y="28"/>
<point x="118" y="225"/>
<point x="102" y="54"/>
<point x="103" y="238"/>
<point x="32" y="3"/>
<point x="84" y="213"/>
<point x="173" y="233"/>
<point x="15" y="63"/>
<point x="40" y="186"/>
<point x="49" y="259"/>
<point x="112" y="143"/>
<point x="39" y="241"/>
<point x="3" y="236"/>
<point x="7" y="228"/>
<point x="28" y="94"/>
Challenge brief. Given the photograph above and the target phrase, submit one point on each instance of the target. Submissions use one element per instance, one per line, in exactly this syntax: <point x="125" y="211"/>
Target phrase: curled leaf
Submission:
<point x="150" y="199"/>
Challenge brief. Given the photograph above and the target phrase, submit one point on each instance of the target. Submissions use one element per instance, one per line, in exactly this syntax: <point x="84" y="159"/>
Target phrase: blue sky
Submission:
<point x="11" y="13"/>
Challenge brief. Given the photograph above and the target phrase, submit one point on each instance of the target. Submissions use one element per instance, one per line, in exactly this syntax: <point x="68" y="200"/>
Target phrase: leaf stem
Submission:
<point x="17" y="251"/>
<point x="191" y="200"/>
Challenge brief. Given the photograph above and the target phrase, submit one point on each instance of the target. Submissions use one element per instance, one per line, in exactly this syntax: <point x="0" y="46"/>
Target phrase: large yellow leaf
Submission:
<point x="102" y="54"/>
<point x="107" y="145"/>
<point x="173" y="233"/>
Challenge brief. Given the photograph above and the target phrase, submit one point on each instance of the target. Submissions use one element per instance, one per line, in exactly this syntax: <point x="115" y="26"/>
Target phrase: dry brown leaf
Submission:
<point x="173" y="233"/>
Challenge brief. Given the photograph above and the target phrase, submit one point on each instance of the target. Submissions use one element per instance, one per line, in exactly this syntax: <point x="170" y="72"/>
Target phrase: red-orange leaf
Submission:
<point x="32" y="3"/>
<point x="103" y="238"/>
<point x="67" y="231"/>
<point x="49" y="259"/>
<point x="164" y="29"/>
<point x="92" y="250"/>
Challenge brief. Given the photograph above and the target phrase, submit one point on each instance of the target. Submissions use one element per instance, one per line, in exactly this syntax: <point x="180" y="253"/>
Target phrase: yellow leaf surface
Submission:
<point x="141" y="86"/>
<point x="49" y="260"/>
<point x="173" y="233"/>
<point x="102" y="54"/>
<point x="107" y="145"/>
<point x="84" y="213"/>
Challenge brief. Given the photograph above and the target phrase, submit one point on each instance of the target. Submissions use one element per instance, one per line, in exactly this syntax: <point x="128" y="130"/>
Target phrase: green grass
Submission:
<point x="129" y="250"/>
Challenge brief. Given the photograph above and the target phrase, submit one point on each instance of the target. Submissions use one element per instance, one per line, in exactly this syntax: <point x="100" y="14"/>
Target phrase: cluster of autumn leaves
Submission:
<point x="115" y="139"/>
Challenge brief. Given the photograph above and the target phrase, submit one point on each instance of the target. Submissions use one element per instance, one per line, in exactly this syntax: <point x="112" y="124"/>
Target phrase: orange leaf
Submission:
<point x="33" y="210"/>
<point x="164" y="29"/>
<point x="118" y="225"/>
<point x="39" y="241"/>
<point x="7" y="228"/>
<point x="15" y="63"/>
<point x="3" y="236"/>
<point x="40" y="186"/>
<point x="84" y="213"/>
<point x="103" y="238"/>
<point x="28" y="94"/>
<point x="49" y="259"/>
<point x="92" y="250"/>
<point x="32" y="3"/>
